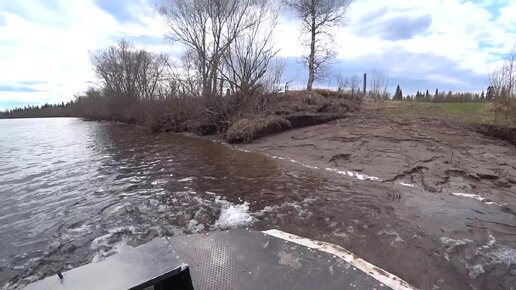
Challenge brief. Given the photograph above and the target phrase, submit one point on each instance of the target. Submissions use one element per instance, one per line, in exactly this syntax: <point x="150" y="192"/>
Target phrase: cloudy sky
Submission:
<point x="419" y="44"/>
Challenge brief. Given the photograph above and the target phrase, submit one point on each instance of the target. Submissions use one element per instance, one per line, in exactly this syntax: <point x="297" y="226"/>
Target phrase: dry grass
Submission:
<point x="247" y="129"/>
<point x="289" y="110"/>
<point x="471" y="113"/>
<point x="317" y="101"/>
<point x="504" y="109"/>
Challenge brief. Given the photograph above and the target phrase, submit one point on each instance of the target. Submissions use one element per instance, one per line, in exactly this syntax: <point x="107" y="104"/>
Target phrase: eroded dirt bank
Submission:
<point x="445" y="197"/>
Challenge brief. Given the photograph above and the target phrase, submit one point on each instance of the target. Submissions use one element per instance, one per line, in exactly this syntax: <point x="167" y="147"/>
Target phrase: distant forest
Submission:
<point x="45" y="111"/>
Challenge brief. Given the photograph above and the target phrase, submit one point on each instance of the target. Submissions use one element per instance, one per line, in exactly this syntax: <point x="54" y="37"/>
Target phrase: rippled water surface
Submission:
<point x="74" y="192"/>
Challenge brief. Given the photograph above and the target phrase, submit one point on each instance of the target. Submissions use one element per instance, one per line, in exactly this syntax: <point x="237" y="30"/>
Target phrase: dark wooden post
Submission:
<point x="365" y="84"/>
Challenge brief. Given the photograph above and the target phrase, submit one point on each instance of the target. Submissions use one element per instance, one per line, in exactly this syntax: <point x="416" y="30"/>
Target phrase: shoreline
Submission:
<point x="440" y="156"/>
<point x="432" y="181"/>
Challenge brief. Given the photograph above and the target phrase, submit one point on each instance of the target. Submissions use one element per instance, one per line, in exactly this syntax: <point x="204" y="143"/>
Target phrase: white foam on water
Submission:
<point x="365" y="177"/>
<point x="300" y="207"/>
<point x="159" y="182"/>
<point x="81" y="229"/>
<point x="293" y="204"/>
<point x="475" y="271"/>
<point x="500" y="256"/>
<point x="233" y="215"/>
<point x="503" y="255"/>
<point x="103" y="241"/>
<point x="452" y="243"/>
<point x="396" y="235"/>
<point x="104" y="247"/>
<point x="135" y="179"/>
<point x="115" y="249"/>
<point x="278" y="157"/>
<point x="302" y="164"/>
<point x="194" y="226"/>
<point x="490" y="242"/>
<point x="354" y="174"/>
<point x="186" y="179"/>
<point x="477" y="197"/>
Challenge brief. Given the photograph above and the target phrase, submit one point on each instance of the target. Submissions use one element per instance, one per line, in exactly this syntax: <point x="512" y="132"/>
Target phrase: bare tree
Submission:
<point x="350" y="83"/>
<point x="272" y="81"/>
<point x="186" y="75"/>
<point x="129" y="74"/>
<point x="378" y="84"/>
<point x="317" y="17"/>
<point x="354" y="84"/>
<point x="208" y="28"/>
<point x="503" y="83"/>
<point x="248" y="59"/>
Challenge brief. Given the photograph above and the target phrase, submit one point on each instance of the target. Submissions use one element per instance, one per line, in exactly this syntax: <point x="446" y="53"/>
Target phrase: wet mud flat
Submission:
<point x="430" y="201"/>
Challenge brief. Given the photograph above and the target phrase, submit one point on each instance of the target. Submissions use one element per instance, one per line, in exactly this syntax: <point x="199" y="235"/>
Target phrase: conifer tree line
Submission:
<point x="426" y="96"/>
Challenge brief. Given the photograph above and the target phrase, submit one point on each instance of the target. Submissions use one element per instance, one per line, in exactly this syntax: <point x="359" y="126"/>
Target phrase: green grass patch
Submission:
<point x="477" y="113"/>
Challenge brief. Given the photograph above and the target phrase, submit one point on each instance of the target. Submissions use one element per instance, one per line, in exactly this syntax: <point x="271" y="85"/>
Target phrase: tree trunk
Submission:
<point x="311" y="57"/>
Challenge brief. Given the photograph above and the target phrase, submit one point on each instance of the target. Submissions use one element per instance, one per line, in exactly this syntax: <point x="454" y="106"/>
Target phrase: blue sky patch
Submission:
<point x="30" y="83"/>
<point x="24" y="10"/>
<point x="119" y="9"/>
<point x="494" y="6"/>
<point x="12" y="103"/>
<point x="25" y="89"/>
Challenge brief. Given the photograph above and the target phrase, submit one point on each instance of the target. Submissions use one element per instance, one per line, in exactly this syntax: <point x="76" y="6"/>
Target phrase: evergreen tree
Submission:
<point x="482" y="96"/>
<point x="490" y="93"/>
<point x="398" y="96"/>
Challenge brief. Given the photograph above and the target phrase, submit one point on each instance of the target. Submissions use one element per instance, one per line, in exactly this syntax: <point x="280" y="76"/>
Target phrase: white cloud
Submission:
<point x="53" y="46"/>
<point x="467" y="35"/>
<point x="450" y="41"/>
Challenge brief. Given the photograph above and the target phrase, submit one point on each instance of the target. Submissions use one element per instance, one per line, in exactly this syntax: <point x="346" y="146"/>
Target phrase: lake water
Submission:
<point x="74" y="192"/>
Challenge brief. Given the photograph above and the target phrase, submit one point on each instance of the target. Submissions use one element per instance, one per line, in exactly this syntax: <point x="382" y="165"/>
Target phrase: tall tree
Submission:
<point x="249" y="60"/>
<point x="398" y="96"/>
<point x="208" y="28"/>
<point x="317" y="17"/>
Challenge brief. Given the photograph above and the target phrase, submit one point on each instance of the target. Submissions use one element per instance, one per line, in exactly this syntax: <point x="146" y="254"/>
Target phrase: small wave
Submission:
<point x="452" y="243"/>
<point x="477" y="197"/>
<point x="396" y="235"/>
<point x="115" y="249"/>
<point x="186" y="179"/>
<point x="105" y="240"/>
<point x="356" y="175"/>
<point x="300" y="208"/>
<point x="194" y="226"/>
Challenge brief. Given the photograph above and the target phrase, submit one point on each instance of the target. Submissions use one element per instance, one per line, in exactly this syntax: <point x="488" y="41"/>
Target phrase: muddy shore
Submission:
<point x="445" y="194"/>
